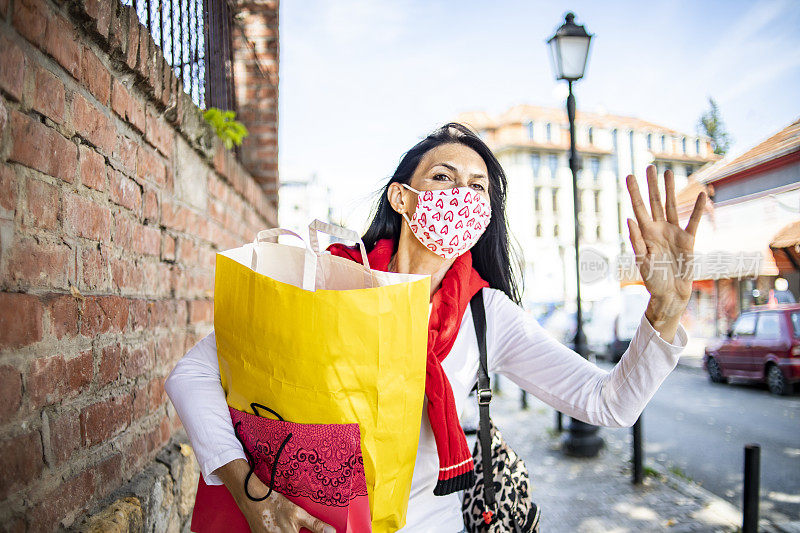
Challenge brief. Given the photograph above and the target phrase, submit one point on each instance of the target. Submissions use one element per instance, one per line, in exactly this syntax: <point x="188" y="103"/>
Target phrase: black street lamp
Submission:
<point x="569" y="49"/>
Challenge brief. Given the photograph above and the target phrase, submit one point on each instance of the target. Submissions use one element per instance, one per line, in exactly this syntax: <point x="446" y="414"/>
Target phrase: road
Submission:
<point x="698" y="429"/>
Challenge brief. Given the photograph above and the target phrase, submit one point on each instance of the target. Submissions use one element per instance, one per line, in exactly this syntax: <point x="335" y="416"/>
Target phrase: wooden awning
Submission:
<point x="785" y="247"/>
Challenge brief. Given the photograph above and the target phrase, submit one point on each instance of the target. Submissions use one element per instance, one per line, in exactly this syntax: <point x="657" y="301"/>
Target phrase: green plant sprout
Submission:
<point x="230" y="130"/>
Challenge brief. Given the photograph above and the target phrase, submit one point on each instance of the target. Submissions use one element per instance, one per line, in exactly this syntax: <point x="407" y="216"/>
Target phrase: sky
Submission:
<point x="362" y="81"/>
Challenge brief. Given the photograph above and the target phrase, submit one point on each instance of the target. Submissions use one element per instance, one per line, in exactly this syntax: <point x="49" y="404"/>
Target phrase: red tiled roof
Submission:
<point x="782" y="143"/>
<point x="787" y="236"/>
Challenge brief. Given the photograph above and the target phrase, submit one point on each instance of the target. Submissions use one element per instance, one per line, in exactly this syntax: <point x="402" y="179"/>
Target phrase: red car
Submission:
<point x="763" y="345"/>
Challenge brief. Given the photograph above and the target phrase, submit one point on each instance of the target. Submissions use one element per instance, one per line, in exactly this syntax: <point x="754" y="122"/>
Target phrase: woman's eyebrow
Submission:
<point x="452" y="168"/>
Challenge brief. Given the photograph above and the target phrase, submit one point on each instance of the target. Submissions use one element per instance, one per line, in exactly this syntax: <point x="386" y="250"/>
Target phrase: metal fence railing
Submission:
<point x="195" y="39"/>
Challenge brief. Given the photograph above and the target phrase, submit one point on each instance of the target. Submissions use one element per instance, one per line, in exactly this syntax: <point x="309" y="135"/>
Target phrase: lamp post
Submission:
<point x="569" y="49"/>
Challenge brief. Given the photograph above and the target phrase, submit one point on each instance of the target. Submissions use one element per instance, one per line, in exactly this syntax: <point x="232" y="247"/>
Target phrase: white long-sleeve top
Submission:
<point x="517" y="347"/>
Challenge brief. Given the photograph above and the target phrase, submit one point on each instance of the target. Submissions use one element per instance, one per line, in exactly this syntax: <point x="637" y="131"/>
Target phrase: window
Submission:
<point x="530" y="130"/>
<point x="597" y="232"/>
<point x="745" y="325"/>
<point x="697" y="146"/>
<point x="689" y="169"/>
<point x="591" y="135"/>
<point x="614" y="138"/>
<point x="594" y="165"/>
<point x="555" y="200"/>
<point x="769" y="326"/>
<point x="537" y="198"/>
<point x="538" y="229"/>
<point x="536" y="162"/>
<point x="555" y="230"/>
<point x="597" y="202"/>
<point x="649" y="141"/>
<point x="663" y="143"/>
<point x="683" y="144"/>
<point x="553" y="162"/>
<point x="796" y="324"/>
<point x="548" y="132"/>
<point x="668" y="166"/>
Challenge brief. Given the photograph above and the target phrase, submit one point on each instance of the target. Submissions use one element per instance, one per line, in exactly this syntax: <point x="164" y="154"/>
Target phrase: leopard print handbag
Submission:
<point x="505" y="505"/>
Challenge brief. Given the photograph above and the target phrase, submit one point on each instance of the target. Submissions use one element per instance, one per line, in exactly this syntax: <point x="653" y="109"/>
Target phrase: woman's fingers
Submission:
<point x="697" y="212"/>
<point x="639" y="246"/>
<point x="656" y="209"/>
<point x="315" y="525"/>
<point x="639" y="210"/>
<point x="670" y="201"/>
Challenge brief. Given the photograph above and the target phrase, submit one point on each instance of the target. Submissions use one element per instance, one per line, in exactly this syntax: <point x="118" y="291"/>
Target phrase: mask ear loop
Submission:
<point x="412" y="189"/>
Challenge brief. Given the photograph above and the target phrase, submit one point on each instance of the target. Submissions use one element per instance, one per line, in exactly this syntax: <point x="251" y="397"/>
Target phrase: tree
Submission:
<point x="713" y="126"/>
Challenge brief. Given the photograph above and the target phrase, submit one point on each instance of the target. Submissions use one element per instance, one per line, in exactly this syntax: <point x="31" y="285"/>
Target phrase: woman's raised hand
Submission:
<point x="275" y="514"/>
<point x="664" y="250"/>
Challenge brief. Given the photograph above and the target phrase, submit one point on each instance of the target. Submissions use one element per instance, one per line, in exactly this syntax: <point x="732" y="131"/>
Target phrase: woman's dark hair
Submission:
<point x="492" y="254"/>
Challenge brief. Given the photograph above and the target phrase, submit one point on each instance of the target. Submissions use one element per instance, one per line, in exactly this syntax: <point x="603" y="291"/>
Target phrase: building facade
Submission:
<point x="532" y="145"/>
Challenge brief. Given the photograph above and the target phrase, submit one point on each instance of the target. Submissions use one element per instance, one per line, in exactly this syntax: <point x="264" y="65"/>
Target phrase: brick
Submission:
<point x="187" y="252"/>
<point x="20" y="319"/>
<point x="95" y="76"/>
<point x="156" y="285"/>
<point x="201" y="311"/>
<point x="126" y="106"/>
<point x="62" y="43"/>
<point x="30" y="20"/>
<point x="4" y="8"/>
<point x="10" y="392"/>
<point x="133" y="236"/>
<point x="8" y="192"/>
<point x="21" y="461"/>
<point x="109" y="364"/>
<point x="95" y="273"/>
<point x="85" y="218"/>
<point x="42" y="204"/>
<point x="93" y="168"/>
<point x="102" y="314"/>
<point x="64" y="314"/>
<point x="49" y="96"/>
<point x="79" y="371"/>
<point x="93" y="125"/>
<point x="42" y="148"/>
<point x="45" y="382"/>
<point x="125" y="192"/>
<point x="104" y="419"/>
<point x="35" y="264"/>
<point x="140" y="402"/>
<point x="69" y="497"/>
<point x="150" y="167"/>
<point x="137" y="360"/>
<point x="156" y="394"/>
<point x="65" y="435"/>
<point x="126" y="277"/>
<point x="150" y="206"/>
<point x="167" y="248"/>
<point x="108" y="475"/>
<point x="139" y="313"/>
<point x="132" y="49"/>
<point x="100" y="12"/>
<point x="125" y="152"/>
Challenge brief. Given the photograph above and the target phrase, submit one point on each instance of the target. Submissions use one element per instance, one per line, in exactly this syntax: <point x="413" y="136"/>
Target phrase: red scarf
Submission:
<point x="460" y="283"/>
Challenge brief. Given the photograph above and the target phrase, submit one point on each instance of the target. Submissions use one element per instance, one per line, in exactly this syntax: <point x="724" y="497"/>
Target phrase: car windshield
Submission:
<point x="796" y="324"/>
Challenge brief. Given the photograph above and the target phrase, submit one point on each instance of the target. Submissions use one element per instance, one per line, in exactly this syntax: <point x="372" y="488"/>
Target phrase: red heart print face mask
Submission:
<point x="449" y="221"/>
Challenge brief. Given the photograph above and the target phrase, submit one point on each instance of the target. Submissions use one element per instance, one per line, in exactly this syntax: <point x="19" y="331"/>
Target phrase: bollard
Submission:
<point x="752" y="475"/>
<point x="559" y="424"/>
<point x="638" y="452"/>
<point x="524" y="400"/>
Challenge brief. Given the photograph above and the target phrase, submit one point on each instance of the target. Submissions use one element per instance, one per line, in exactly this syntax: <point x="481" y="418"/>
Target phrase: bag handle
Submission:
<point x="335" y="231"/>
<point x="309" y="263"/>
<point x="484" y="394"/>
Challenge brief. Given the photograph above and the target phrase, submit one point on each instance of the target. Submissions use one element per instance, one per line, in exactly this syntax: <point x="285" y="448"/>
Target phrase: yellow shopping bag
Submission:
<point x="322" y="339"/>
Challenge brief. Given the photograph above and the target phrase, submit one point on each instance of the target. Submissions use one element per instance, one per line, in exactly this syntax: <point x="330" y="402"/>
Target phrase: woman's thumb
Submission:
<point x="315" y="525"/>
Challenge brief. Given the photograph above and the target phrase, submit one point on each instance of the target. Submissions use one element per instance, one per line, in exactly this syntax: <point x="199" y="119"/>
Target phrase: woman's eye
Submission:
<point x="441" y="177"/>
<point x="478" y="186"/>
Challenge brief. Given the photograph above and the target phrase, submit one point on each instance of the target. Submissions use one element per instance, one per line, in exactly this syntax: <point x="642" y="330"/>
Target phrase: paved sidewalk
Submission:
<point x="596" y="495"/>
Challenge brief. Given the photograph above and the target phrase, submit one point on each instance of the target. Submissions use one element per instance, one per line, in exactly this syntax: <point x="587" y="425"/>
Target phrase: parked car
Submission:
<point x="763" y="345"/>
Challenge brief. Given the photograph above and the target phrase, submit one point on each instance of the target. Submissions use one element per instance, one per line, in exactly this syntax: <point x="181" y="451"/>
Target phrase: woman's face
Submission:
<point x="444" y="167"/>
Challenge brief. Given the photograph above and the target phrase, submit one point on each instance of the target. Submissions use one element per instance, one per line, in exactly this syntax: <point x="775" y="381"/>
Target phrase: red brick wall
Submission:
<point x="114" y="198"/>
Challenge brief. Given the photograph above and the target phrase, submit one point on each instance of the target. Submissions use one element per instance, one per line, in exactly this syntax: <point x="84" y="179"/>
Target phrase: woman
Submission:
<point x="454" y="161"/>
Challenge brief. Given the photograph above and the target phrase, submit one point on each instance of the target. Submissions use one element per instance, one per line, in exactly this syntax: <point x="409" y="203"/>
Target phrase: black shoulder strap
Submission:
<point x="484" y="394"/>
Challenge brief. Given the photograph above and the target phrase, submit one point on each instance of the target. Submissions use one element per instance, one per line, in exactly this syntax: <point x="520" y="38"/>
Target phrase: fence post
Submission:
<point x="559" y="423"/>
<point x="752" y="475"/>
<point x="638" y="451"/>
